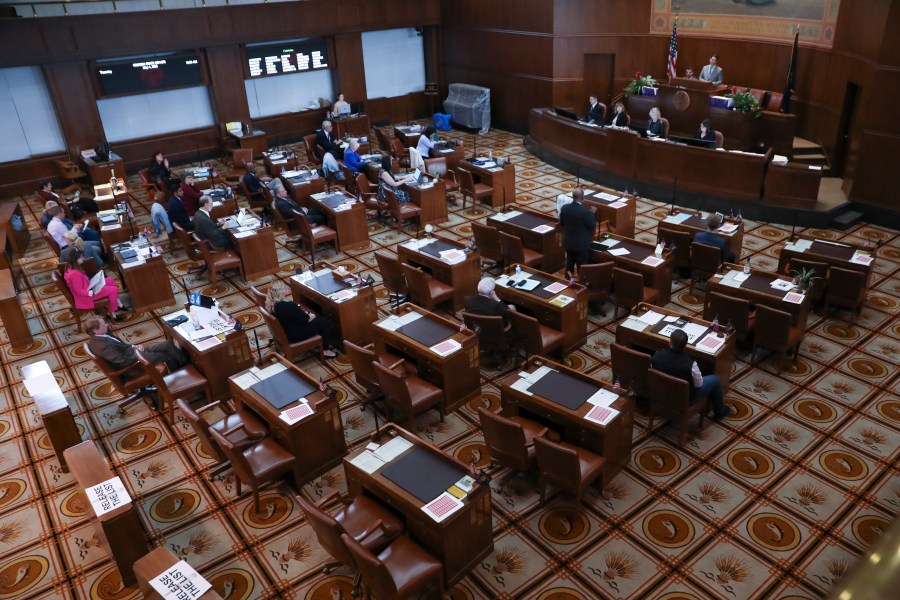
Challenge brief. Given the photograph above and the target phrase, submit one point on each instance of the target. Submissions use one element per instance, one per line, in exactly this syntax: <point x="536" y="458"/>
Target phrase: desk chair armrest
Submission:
<point x="228" y="432"/>
<point x="214" y="249"/>
<point x="539" y="434"/>
<point x="335" y="494"/>
<point x="225" y="404"/>
<point x="375" y="526"/>
<point x="403" y="372"/>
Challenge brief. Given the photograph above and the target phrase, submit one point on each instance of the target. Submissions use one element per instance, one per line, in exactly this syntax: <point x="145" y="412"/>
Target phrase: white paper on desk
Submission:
<point x="651" y="317"/>
<point x="601" y="415"/>
<point x="619" y="204"/>
<point x="392" y="449"/>
<point x="107" y="495"/>
<point x="442" y="507"/>
<point x="670" y="319"/>
<point x="207" y="343"/>
<point x="679" y="218"/>
<point x="342" y="295"/>
<point x="539" y="373"/>
<point x="367" y="461"/>
<point x="318" y="196"/>
<point x="694" y="331"/>
<point x="861" y="259"/>
<point x="528" y="284"/>
<point x="610" y="242"/>
<point x="606" y="196"/>
<point x="409" y="317"/>
<point x="246" y="380"/>
<point x="391" y="323"/>
<point x="603" y="398"/>
<point x="652" y="261"/>
<point x="134" y="263"/>
<point x="710" y="343"/>
<point x="727" y="228"/>
<point x="446" y="150"/>
<point x="180" y="582"/>
<point x="522" y="385"/>
<point x="111" y="227"/>
<point x="39" y="384"/>
<point x="781" y="284"/>
<point x="289" y="174"/>
<point x="103" y="197"/>
<point x="543" y="228"/>
<point x="452" y="257"/>
<point x="619" y="251"/>
<point x="283" y="161"/>
<point x="243" y="234"/>
<point x="341" y="207"/>
<point x="507" y="215"/>
<point x="271" y="370"/>
<point x="729" y="279"/>
<point x="634" y="323"/>
<point x="668" y="329"/>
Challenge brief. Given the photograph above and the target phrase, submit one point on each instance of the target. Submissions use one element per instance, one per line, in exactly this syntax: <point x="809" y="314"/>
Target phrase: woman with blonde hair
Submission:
<point x="298" y="324"/>
<point x="655" y="123"/>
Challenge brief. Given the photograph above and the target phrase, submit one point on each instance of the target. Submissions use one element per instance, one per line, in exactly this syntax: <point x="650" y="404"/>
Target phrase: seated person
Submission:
<point x="207" y="229"/>
<point x="285" y="205"/>
<point x="711" y="239"/>
<point x="177" y="212"/>
<point x="327" y="142"/>
<point x="159" y="170"/>
<point x="689" y="73"/>
<point x="254" y="182"/>
<point x="89" y="234"/>
<point x="596" y="111"/>
<point x="386" y="180"/>
<point x="352" y="159"/>
<point x="426" y="142"/>
<point x="79" y="284"/>
<point x="158" y="215"/>
<point x="620" y="117"/>
<point x="80" y="203"/>
<point x="341" y="106"/>
<point x="191" y="197"/>
<point x="654" y="123"/>
<point x="673" y="361"/>
<point x="298" y="324"/>
<point x="705" y="133"/>
<point x="487" y="302"/>
<point x="57" y="230"/>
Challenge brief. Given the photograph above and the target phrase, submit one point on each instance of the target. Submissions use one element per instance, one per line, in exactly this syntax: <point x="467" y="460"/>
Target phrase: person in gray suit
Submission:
<point x="712" y="72"/>
<point x="120" y="353"/>
<point x="208" y="229"/>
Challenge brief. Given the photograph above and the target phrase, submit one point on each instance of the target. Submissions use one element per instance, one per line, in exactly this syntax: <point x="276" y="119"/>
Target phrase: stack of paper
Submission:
<point x="603" y="398"/>
<point x="794" y="298"/>
<point x="710" y="343"/>
<point x="442" y="507"/>
<point x="610" y="242"/>
<point x="679" y="218"/>
<point x="562" y="300"/>
<point x="601" y="415"/>
<point x="619" y="251"/>
<point x="555" y="287"/>
<point x="506" y="216"/>
<point x="543" y="228"/>
<point x="860" y="258"/>
<point x="652" y="261"/>
<point x="392" y="449"/>
<point x="452" y="257"/>
<point x="634" y="323"/>
<point x="297" y="413"/>
<point x="781" y="284"/>
<point x="799" y="245"/>
<point x="446" y="348"/>
<point x="606" y="196"/>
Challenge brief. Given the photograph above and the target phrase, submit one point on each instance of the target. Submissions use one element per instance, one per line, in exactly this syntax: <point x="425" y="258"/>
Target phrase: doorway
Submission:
<point x="598" y="76"/>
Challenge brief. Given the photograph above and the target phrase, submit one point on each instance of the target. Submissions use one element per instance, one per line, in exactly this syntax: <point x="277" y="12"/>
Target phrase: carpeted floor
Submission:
<point x="777" y="501"/>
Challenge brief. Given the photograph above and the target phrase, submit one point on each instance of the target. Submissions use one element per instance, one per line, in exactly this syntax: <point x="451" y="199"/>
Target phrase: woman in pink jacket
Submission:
<point x="78" y="283"/>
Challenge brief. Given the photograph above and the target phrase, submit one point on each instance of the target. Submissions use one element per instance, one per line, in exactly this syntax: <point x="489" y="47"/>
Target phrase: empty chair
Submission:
<point x="361" y="359"/>
<point x="470" y="189"/>
<point x="515" y="253"/>
<point x="256" y="465"/>
<point x="705" y="262"/>
<point x="218" y="260"/>
<point x="402" y="570"/>
<point x="665" y="123"/>
<point x="410" y="394"/>
<point x="487" y="239"/>
<point x="391" y="275"/>
<point x="846" y="289"/>
<point x="510" y="441"/>
<point x="284" y="346"/>
<point x="253" y="429"/>
<point x="71" y="171"/>
<point x="384" y="140"/>
<point x="148" y="186"/>
<point x="597" y="278"/>
<point x="729" y="309"/>
<point x="720" y="138"/>
<point x="424" y="289"/>
<point x="630" y="290"/>
<point x="312" y="153"/>
<point x="630" y="368"/>
<point x="190" y="248"/>
<point x="401" y="212"/>
<point x="532" y="337"/>
<point x="312" y="236"/>
<point x="775" y="332"/>
<point x="438" y="168"/>
<point x="567" y="467"/>
<point x="182" y="383"/>
<point x="491" y="332"/>
<point x="63" y="287"/>
<point x="818" y="282"/>
<point x="682" y="241"/>
<point x="133" y="387"/>
<point x="398" y="153"/>
<point x="671" y="397"/>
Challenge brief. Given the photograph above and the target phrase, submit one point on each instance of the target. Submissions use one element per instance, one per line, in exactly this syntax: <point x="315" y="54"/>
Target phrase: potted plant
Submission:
<point x="804" y="277"/>
<point x="639" y="81"/>
<point x="743" y="101"/>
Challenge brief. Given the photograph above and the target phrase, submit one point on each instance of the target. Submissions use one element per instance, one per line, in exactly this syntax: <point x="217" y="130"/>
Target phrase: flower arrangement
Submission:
<point x="743" y="101"/>
<point x="639" y="81"/>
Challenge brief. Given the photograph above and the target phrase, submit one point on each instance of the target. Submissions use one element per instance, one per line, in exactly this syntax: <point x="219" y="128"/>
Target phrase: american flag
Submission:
<point x="673" y="50"/>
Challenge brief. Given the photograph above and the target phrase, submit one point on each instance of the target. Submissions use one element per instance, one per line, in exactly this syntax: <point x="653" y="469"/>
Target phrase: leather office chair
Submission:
<point x="597" y="278"/>
<point x="261" y="463"/>
<point x="309" y="144"/>
<point x="183" y="383"/>
<point x="391" y="276"/>
<point x="487" y="239"/>
<point x="438" y="168"/>
<point x="567" y="467"/>
<point x="288" y="225"/>
<point x="253" y="430"/>
<point x="532" y="337"/>
<point x="846" y="289"/>
<point x="774" y="103"/>
<point x="671" y="397"/>
<point x="361" y="359"/>
<point x="349" y="180"/>
<point x="384" y="140"/>
<point x="720" y="138"/>
<point x="190" y="248"/>
<point x="402" y="570"/>
<point x="510" y="441"/>
<point x="730" y="309"/>
<point x="682" y="241"/>
<point x="817" y="285"/>
<point x="77" y="313"/>
<point x="469" y="188"/>
<point x="665" y="123"/>
<point x="369" y="198"/>
<point x="630" y="368"/>
<point x="313" y="236"/>
<point x="361" y="519"/>
<point x="148" y="186"/>
<point x="760" y="96"/>
<point x="401" y="212"/>
<point x="775" y="332"/>
<point x="514" y="252"/>
<point x="240" y="158"/>
<point x="283" y="345"/>
<point x="398" y="153"/>
<point x="705" y="262"/>
<point x="630" y="290"/>
<point x="410" y="394"/>
<point x="424" y="289"/>
<point x="260" y="199"/>
<point x="217" y="260"/>
<point x="71" y="171"/>
<point x="259" y="298"/>
<point x="134" y="388"/>
<point x="491" y="332"/>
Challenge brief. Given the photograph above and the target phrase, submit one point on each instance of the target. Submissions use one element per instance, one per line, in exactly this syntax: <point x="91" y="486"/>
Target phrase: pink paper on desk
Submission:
<point x="862" y="259"/>
<point x="652" y="261"/>
<point x="446" y="347"/>
<point x="601" y="415"/>
<point x="292" y="415"/>
<point x="543" y="228"/>
<point x="553" y="288"/>
<point x="207" y="343"/>
<point x="442" y="507"/>
<point x="618" y="204"/>
<point x="794" y="298"/>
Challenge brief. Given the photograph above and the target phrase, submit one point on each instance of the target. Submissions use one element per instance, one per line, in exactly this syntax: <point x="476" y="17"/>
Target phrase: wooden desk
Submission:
<point x="107" y="198"/>
<point x="56" y="415"/>
<point x="834" y="254"/>
<point x="275" y="162"/>
<point x="120" y="530"/>
<point x="257" y="250"/>
<point x="757" y="290"/>
<point x="223" y="208"/>
<point x="17" y="240"/>
<point x="432" y="200"/>
<point x="650" y="341"/>
<point x="408" y="134"/>
<point x="458" y="374"/>
<point x="317" y="441"/>
<point x="612" y="441"/>
<point x="570" y="319"/>
<point x="255" y="141"/>
<point x="463" y="277"/>
<point x="449" y="150"/>
<point x="217" y="363"/>
<point x="356" y="126"/>
<point x="115" y="233"/>
<point x="353" y="317"/>
<point x="695" y="224"/>
<point x="350" y="223"/>
<point x="522" y="225"/>
<point x="461" y="541"/>
<point x="156" y="563"/>
<point x="148" y="283"/>
<point x="100" y="171"/>
<point x="792" y="185"/>
<point x="502" y="179"/>
<point x="617" y="209"/>
<point x="658" y="277"/>
<point x="303" y="185"/>
<point x="11" y="313"/>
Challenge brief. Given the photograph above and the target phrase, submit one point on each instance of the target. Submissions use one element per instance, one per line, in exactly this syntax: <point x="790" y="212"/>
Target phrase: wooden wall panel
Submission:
<point x="502" y="15"/>
<point x="351" y="72"/>
<point x="226" y="84"/>
<point x="71" y="88"/>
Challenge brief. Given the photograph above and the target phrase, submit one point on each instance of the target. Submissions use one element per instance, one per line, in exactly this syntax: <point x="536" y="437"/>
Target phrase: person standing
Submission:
<point x="578" y="223"/>
<point x="675" y="362"/>
<point x="712" y="72"/>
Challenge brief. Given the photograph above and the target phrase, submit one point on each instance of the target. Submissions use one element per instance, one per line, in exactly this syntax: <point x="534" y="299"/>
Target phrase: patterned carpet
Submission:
<point x="776" y="501"/>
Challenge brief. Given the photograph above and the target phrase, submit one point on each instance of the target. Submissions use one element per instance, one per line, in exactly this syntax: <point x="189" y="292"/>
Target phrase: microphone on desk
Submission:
<point x="258" y="349"/>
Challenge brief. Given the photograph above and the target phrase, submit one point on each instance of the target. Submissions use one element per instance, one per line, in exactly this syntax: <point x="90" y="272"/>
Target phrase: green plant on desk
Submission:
<point x="804" y="277"/>
<point x="744" y="101"/>
<point x="639" y="81"/>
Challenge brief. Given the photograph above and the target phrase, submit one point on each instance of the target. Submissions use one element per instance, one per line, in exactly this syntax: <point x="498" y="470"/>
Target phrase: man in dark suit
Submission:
<point x="253" y="182"/>
<point x="120" y="353"/>
<point x="326" y="140"/>
<point x="285" y="205"/>
<point x="673" y="361"/>
<point x="596" y="111"/>
<point x="486" y="302"/>
<point x="711" y="239"/>
<point x="578" y="225"/>
<point x="207" y="229"/>
<point x="177" y="212"/>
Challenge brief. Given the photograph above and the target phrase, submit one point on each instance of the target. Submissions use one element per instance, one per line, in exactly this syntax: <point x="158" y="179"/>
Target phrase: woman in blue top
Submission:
<point x="352" y="159"/>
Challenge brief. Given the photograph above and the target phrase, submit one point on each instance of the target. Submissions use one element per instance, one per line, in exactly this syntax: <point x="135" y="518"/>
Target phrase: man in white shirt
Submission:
<point x="57" y="230"/>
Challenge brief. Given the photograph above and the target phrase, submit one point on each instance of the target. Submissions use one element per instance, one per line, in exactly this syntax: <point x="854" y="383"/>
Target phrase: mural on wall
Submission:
<point x="757" y="19"/>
